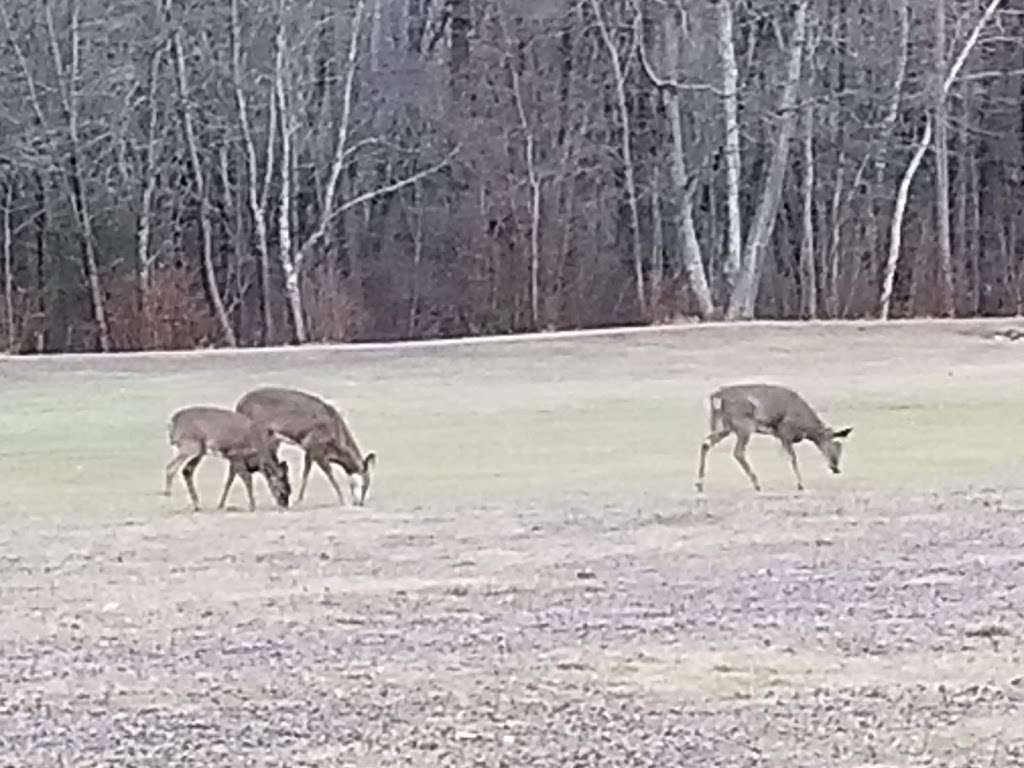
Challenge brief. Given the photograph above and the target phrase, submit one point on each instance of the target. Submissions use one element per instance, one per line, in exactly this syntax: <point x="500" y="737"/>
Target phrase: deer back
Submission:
<point x="773" y="408"/>
<point x="221" y="431"/>
<point x="302" y="418"/>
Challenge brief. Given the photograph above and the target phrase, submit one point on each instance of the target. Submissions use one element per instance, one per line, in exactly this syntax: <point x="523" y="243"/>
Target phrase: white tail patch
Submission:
<point x="285" y="438"/>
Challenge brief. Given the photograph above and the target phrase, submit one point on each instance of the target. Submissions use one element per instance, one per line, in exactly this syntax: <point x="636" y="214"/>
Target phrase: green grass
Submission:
<point x="612" y="418"/>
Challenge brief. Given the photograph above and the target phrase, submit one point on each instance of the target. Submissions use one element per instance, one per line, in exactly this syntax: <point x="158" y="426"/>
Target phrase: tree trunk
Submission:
<point x="629" y="172"/>
<point x="415" y="25"/>
<point x="202" y="193"/>
<point x="68" y="87"/>
<point x="417" y="258"/>
<point x="808" y="274"/>
<point x="288" y="258"/>
<point x="657" y="239"/>
<point x="143" y="228"/>
<point x="732" y="263"/>
<point x="6" y="246"/>
<point x="946" y="306"/>
<point x="376" y="34"/>
<point x="831" y="262"/>
<point x="42" y="262"/>
<point x="567" y="216"/>
<point x="962" y="276"/>
<point x="686" y="232"/>
<point x="741" y="303"/>
<point x="915" y="162"/>
<point x="974" y="228"/>
<point x="258" y="196"/>
<point x="461" y="22"/>
<point x="896" y="233"/>
<point x="886" y="132"/>
<point x="532" y="178"/>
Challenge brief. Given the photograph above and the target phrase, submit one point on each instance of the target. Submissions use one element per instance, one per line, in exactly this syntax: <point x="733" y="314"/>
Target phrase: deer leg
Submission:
<point x="172" y="468"/>
<point x="326" y="467"/>
<point x="709" y="442"/>
<point x="306" y="467"/>
<point x="788" y="448"/>
<point x="232" y="473"/>
<point x="247" y="481"/>
<point x="740" y="454"/>
<point x="187" y="473"/>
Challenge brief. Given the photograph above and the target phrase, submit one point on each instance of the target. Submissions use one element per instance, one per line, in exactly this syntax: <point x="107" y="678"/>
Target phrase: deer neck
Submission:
<point x="349" y="459"/>
<point x="820" y="435"/>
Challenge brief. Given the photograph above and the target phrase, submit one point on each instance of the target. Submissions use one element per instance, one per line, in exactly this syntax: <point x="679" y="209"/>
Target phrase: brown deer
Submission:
<point x="748" y="409"/>
<point x="316" y="427"/>
<point x="248" y="447"/>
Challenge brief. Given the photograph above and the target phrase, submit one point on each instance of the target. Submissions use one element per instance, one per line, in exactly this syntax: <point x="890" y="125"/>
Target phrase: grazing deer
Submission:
<point x="318" y="428"/>
<point x="247" y="446"/>
<point x="748" y="409"/>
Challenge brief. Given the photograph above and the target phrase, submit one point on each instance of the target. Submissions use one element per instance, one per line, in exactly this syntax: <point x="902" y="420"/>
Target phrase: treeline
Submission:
<point x="177" y="173"/>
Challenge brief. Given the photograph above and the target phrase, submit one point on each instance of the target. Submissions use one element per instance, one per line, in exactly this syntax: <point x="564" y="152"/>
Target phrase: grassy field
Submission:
<point x="534" y="580"/>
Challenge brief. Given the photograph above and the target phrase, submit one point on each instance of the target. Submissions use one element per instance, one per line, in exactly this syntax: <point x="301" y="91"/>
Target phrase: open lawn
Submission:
<point x="534" y="581"/>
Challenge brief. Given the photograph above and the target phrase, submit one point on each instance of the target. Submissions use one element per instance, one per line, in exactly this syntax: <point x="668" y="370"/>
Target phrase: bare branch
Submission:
<point x="660" y="82"/>
<point x="338" y="164"/>
<point x="366" y="197"/>
<point x="896" y="234"/>
<point x="969" y="44"/>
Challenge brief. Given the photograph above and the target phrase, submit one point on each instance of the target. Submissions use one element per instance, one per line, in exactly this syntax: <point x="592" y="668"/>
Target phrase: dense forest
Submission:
<point x="178" y="173"/>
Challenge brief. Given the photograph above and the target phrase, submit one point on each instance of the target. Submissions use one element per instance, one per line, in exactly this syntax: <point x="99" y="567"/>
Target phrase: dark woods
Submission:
<point x="176" y="174"/>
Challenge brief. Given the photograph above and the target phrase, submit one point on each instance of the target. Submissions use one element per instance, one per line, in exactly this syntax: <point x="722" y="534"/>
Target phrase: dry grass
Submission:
<point x="534" y="577"/>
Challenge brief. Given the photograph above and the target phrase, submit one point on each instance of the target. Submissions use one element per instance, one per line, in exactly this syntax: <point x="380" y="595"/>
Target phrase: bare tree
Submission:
<point x="150" y="151"/>
<point x="915" y="162"/>
<point x="67" y="88"/>
<point x="298" y="119"/>
<point x="201" y="190"/>
<point x="946" y="306"/>
<point x="291" y="262"/>
<point x="628" y="168"/>
<point x="741" y="303"/>
<point x="896" y="233"/>
<point x="684" y="185"/>
<point x="417" y="256"/>
<point x="532" y="176"/>
<point x="6" y="246"/>
<point x="730" y="111"/>
<point x="294" y="258"/>
<point x="887" y="126"/>
<point x="808" y="272"/>
<point x="257" y="190"/>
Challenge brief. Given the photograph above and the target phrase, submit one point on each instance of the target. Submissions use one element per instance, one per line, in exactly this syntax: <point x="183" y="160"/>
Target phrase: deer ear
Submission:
<point x="369" y="461"/>
<point x="841" y="433"/>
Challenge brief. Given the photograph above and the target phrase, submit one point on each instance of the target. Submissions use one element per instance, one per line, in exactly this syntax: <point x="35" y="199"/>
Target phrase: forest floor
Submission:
<point x="534" y="581"/>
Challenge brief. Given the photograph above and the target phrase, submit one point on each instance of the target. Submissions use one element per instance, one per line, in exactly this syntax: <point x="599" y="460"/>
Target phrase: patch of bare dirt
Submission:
<point x="533" y="637"/>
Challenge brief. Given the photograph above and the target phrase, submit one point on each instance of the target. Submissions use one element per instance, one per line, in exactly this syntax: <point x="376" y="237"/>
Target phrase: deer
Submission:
<point x="748" y="409"/>
<point x="248" y="447"/>
<point x="315" y="426"/>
